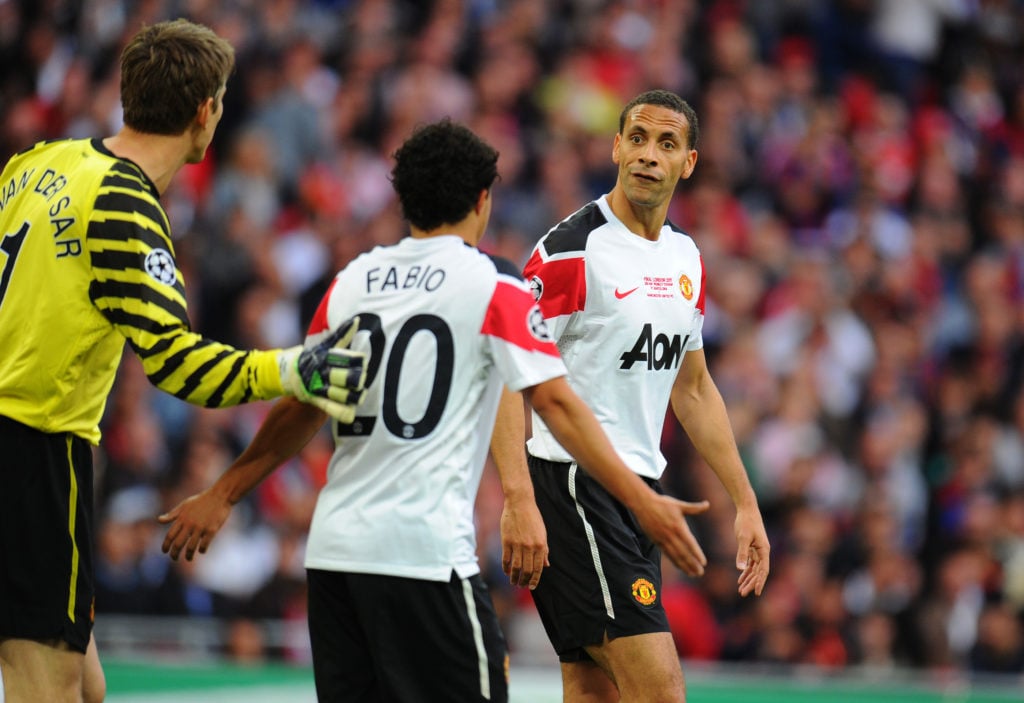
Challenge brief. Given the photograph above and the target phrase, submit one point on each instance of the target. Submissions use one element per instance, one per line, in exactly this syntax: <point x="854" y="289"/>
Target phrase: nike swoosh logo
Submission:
<point x="623" y="294"/>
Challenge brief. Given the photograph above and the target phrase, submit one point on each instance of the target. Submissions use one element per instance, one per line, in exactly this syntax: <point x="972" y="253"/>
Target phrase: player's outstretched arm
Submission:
<point x="699" y="407"/>
<point x="524" y="540"/>
<point x="661" y="517"/>
<point x="196" y="520"/>
<point x="153" y="317"/>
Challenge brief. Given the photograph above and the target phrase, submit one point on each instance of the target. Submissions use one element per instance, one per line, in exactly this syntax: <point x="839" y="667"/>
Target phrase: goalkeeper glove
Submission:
<point x="327" y="375"/>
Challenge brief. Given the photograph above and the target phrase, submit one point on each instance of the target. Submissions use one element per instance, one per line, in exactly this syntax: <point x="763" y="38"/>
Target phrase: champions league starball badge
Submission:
<point x="538" y="327"/>
<point x="160" y="266"/>
<point x="536" y="287"/>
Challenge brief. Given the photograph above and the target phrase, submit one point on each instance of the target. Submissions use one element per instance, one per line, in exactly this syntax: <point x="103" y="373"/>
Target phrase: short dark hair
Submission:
<point x="167" y="70"/>
<point x="439" y="172"/>
<point x="665" y="98"/>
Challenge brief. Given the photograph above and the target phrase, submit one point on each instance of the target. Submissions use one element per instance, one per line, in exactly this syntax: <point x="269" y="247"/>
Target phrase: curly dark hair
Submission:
<point x="664" y="98"/>
<point x="439" y="173"/>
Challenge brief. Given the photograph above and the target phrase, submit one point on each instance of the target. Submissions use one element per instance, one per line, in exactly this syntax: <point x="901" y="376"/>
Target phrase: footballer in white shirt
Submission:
<point x="398" y="609"/>
<point x="623" y="293"/>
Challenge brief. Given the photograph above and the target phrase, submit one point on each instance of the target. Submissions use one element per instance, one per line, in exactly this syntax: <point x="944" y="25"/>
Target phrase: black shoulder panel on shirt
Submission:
<point x="504" y="265"/>
<point x="571" y="234"/>
<point x="672" y="226"/>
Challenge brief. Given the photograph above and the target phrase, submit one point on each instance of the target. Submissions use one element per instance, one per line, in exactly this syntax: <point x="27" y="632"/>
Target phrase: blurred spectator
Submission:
<point x="696" y="632"/>
<point x="948" y="617"/>
<point x="1000" y="645"/>
<point x="874" y="644"/>
<point x="130" y="576"/>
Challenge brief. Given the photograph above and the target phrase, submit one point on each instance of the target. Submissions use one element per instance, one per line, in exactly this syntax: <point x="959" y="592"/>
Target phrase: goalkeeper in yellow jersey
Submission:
<point x="86" y="263"/>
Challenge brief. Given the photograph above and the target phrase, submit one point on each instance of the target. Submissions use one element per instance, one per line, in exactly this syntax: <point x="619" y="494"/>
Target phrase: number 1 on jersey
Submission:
<point x="10" y="245"/>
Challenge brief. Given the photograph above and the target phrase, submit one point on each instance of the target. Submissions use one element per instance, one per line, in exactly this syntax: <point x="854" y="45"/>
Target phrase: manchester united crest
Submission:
<point x="686" y="287"/>
<point x="643" y="590"/>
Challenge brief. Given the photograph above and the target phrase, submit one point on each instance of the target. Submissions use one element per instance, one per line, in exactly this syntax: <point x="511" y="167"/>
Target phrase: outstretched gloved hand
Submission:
<point x="328" y="375"/>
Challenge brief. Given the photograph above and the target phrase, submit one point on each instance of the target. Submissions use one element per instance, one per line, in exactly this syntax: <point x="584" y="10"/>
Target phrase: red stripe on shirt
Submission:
<point x="319" y="322"/>
<point x="564" y="284"/>
<point x="703" y="281"/>
<point x="508" y="318"/>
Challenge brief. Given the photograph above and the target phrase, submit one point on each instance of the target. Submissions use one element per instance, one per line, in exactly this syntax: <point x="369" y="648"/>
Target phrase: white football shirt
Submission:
<point x="446" y="326"/>
<point x="623" y="311"/>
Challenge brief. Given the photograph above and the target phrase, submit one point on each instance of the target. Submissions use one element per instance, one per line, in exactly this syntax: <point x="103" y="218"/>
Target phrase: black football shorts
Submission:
<point x="46" y="535"/>
<point x="401" y="640"/>
<point x="605" y="573"/>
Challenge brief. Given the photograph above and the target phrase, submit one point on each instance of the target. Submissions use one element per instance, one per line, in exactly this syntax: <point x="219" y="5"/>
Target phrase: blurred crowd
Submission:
<point x="859" y="204"/>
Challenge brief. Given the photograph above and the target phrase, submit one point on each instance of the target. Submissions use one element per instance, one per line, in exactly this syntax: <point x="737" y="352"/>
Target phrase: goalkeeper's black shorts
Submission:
<point x="605" y="573"/>
<point x="46" y="535"/>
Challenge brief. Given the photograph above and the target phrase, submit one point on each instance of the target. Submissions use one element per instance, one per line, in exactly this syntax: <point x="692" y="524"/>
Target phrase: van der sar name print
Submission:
<point x="49" y="185"/>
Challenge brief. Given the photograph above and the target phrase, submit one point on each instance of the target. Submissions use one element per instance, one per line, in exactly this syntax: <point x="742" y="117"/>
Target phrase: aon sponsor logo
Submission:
<point x="655" y="351"/>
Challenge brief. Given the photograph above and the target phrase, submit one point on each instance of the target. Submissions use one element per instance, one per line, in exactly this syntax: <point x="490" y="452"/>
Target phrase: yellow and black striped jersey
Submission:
<point x="87" y="262"/>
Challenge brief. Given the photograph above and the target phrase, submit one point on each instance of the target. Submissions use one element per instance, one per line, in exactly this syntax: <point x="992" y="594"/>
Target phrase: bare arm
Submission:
<point x="661" y="517"/>
<point x="197" y="519"/>
<point x="524" y="541"/>
<point x="699" y="407"/>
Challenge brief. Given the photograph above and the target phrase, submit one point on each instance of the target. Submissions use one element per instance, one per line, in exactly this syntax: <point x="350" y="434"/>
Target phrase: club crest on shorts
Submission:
<point x="686" y="287"/>
<point x="643" y="592"/>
